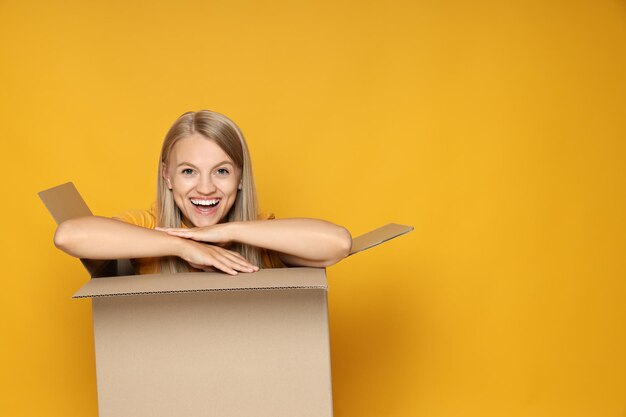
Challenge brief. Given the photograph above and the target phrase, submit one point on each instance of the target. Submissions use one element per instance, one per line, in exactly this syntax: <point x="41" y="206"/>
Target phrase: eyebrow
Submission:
<point x="216" y="165"/>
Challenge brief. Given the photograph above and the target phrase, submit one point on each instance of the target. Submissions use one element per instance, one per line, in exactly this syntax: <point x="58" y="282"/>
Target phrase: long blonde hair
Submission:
<point x="219" y="128"/>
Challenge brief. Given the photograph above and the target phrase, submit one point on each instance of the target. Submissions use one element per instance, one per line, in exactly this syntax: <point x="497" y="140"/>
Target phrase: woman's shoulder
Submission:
<point x="143" y="218"/>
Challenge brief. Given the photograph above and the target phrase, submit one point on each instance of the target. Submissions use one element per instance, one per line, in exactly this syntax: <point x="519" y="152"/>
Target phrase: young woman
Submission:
<point x="206" y="214"/>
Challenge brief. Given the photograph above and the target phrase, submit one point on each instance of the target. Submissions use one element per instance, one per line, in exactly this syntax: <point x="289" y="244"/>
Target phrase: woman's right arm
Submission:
<point x="96" y="237"/>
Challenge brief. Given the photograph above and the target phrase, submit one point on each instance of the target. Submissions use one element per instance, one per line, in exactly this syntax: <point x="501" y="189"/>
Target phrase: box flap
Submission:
<point x="265" y="279"/>
<point x="65" y="203"/>
<point x="378" y="236"/>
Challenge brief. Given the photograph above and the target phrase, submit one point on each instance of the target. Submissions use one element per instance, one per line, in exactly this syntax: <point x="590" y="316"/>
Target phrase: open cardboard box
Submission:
<point x="209" y="344"/>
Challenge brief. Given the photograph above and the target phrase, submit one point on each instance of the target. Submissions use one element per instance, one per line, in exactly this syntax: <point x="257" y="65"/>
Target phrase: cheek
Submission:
<point x="182" y="184"/>
<point x="180" y="188"/>
<point x="230" y="192"/>
<point x="228" y="186"/>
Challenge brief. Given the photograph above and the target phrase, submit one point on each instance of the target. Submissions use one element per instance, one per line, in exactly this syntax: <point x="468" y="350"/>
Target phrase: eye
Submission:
<point x="187" y="171"/>
<point x="222" y="171"/>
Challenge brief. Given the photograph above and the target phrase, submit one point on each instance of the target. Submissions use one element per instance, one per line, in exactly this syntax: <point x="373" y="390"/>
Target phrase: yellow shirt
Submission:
<point x="147" y="219"/>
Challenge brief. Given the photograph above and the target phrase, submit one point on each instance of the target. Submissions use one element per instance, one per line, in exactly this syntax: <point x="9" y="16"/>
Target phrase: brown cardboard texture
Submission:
<point x="209" y="344"/>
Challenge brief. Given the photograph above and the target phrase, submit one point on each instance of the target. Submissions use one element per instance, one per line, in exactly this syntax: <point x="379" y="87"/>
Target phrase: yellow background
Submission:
<point x="497" y="129"/>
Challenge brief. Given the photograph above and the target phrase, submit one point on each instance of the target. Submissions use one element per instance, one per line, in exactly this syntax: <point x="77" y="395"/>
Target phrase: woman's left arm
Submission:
<point x="298" y="242"/>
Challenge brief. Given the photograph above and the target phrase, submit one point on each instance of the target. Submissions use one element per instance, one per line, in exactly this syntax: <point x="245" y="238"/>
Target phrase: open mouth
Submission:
<point x="205" y="205"/>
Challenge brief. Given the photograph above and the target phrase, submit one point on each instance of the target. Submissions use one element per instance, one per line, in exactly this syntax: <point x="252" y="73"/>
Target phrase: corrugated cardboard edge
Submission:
<point x="378" y="236"/>
<point x="265" y="279"/>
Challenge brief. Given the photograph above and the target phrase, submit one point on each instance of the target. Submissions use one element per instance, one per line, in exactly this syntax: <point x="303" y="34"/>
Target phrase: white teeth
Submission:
<point x="199" y="202"/>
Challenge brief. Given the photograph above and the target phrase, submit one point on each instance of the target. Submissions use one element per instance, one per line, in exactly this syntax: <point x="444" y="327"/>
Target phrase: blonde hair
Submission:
<point x="225" y="133"/>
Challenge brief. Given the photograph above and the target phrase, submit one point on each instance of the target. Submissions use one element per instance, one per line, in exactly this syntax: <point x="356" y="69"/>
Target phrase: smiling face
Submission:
<point x="203" y="180"/>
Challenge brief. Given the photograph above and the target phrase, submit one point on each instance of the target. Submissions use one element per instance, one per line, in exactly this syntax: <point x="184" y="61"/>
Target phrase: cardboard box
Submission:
<point x="209" y="344"/>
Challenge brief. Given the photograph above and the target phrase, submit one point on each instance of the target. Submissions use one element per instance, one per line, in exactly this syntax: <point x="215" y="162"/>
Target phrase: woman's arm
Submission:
<point x="299" y="242"/>
<point x="95" y="237"/>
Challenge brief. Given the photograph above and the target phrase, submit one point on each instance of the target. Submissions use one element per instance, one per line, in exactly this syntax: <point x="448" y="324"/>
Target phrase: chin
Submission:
<point x="203" y="222"/>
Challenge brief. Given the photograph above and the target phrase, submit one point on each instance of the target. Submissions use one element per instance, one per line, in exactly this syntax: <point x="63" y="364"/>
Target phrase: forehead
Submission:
<point x="197" y="150"/>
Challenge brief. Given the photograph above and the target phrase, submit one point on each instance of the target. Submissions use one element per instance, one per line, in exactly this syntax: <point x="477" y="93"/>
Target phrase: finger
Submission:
<point x="224" y="268"/>
<point x="221" y="262"/>
<point x="242" y="262"/>
<point x="202" y="267"/>
<point x="232" y="252"/>
<point x="226" y="265"/>
<point x="234" y="261"/>
<point x="224" y="260"/>
<point x="213" y="266"/>
<point x="236" y="258"/>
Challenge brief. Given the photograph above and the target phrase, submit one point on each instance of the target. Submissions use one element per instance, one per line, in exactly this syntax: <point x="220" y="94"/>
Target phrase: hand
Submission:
<point x="207" y="257"/>
<point x="210" y="234"/>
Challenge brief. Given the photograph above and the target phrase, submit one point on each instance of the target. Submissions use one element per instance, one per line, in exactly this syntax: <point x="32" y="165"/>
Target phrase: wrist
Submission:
<point x="179" y="245"/>
<point x="231" y="232"/>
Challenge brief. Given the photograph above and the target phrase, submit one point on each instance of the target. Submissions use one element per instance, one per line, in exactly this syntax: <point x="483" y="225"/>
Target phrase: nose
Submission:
<point x="205" y="185"/>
